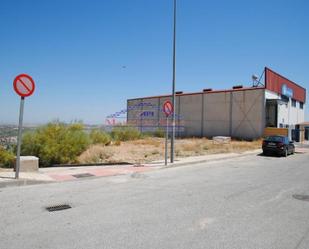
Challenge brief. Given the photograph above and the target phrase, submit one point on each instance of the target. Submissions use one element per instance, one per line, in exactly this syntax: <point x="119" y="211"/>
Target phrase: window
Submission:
<point x="301" y="105"/>
<point x="293" y="102"/>
<point x="284" y="98"/>
<point x="275" y="139"/>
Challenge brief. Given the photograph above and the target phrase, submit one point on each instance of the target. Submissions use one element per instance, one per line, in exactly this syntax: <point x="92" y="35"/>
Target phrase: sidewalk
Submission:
<point x="60" y="174"/>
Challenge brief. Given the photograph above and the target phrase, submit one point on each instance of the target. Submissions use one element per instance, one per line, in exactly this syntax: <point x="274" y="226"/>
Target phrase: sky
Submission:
<point x="87" y="57"/>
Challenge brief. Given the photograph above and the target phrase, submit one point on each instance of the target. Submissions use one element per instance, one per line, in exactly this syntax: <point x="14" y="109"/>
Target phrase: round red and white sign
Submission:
<point x="24" y="85"/>
<point x="168" y="108"/>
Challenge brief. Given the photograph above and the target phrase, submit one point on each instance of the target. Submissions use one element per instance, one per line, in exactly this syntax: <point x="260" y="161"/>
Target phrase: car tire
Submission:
<point x="286" y="153"/>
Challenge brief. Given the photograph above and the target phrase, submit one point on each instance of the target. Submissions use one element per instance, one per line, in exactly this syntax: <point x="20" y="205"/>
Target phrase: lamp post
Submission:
<point x="173" y="92"/>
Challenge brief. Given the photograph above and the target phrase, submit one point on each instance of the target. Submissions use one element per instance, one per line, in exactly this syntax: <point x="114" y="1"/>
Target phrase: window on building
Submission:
<point x="293" y="102"/>
<point x="301" y="105"/>
<point x="284" y="98"/>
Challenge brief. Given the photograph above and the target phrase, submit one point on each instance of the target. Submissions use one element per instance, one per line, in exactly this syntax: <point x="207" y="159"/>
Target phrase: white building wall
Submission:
<point x="289" y="115"/>
<point x="271" y="95"/>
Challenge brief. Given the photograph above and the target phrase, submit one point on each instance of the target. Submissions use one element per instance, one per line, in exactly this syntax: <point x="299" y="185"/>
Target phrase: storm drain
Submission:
<point x="58" y="207"/>
<point x="301" y="197"/>
<point x="83" y="175"/>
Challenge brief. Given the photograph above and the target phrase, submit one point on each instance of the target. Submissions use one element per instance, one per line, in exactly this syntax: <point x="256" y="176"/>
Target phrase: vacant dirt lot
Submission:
<point x="152" y="149"/>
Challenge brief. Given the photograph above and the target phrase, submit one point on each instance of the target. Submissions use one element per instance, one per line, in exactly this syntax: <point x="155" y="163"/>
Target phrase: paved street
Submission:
<point x="243" y="202"/>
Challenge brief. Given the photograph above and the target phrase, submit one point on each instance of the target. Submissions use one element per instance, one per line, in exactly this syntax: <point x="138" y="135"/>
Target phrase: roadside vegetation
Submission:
<point x="56" y="143"/>
<point x="149" y="149"/>
<point x="60" y="143"/>
<point x="6" y="158"/>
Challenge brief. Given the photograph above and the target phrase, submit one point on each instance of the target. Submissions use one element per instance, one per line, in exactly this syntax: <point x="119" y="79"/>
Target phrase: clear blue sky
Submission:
<point x="76" y="51"/>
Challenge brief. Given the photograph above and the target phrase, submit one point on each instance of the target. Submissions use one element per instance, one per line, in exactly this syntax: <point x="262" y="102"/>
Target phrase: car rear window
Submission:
<point x="275" y="139"/>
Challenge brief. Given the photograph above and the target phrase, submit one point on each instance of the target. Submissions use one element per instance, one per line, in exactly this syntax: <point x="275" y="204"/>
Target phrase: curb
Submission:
<point x="21" y="182"/>
<point x="205" y="160"/>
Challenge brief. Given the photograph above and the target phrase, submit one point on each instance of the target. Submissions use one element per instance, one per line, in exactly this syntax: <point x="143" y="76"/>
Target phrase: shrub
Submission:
<point x="159" y="133"/>
<point x="7" y="158"/>
<point x="100" y="137"/>
<point x="117" y="143"/>
<point x="96" y="154"/>
<point x="56" y="143"/>
<point x="125" y="133"/>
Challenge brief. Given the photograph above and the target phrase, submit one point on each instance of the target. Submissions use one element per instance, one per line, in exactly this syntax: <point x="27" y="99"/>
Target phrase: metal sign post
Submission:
<point x="19" y="137"/>
<point x="168" y="109"/>
<point x="166" y="141"/>
<point x="24" y="86"/>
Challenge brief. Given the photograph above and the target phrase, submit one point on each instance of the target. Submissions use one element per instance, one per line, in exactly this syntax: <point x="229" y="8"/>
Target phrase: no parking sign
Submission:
<point x="168" y="108"/>
<point x="24" y="86"/>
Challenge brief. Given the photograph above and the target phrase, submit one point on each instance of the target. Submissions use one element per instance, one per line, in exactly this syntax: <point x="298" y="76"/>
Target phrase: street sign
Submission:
<point x="24" y="85"/>
<point x="168" y="108"/>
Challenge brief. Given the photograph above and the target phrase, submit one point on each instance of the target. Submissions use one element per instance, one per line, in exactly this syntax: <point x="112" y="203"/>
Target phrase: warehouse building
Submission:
<point x="238" y="112"/>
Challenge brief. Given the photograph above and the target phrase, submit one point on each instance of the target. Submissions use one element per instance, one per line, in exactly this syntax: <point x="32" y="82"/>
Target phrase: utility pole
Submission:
<point x="174" y="81"/>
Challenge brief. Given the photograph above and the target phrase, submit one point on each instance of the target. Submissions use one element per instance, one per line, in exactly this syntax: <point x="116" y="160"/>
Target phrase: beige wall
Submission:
<point x="248" y="114"/>
<point x="216" y="119"/>
<point x="239" y="114"/>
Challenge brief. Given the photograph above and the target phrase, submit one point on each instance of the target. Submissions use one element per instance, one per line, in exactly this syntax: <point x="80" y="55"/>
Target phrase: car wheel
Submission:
<point x="285" y="153"/>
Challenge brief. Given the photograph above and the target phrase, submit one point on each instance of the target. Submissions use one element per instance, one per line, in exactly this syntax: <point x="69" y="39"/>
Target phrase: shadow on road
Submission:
<point x="268" y="155"/>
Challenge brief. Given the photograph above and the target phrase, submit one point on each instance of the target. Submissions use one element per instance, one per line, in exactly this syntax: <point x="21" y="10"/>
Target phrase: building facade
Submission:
<point x="238" y="112"/>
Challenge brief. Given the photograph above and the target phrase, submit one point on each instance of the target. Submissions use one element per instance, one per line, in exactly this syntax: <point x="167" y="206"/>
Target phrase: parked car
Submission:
<point x="279" y="145"/>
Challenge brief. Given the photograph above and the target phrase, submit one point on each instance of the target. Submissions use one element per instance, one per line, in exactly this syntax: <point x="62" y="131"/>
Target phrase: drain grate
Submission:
<point x="58" y="207"/>
<point x="82" y="175"/>
<point x="301" y="197"/>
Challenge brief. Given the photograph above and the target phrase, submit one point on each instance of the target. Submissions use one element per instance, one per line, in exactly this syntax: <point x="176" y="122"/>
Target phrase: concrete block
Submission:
<point x="221" y="140"/>
<point x="28" y="164"/>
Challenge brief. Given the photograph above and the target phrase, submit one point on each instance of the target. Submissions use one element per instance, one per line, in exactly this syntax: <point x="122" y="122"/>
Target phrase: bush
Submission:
<point x="159" y="132"/>
<point x="56" y="143"/>
<point x="125" y="133"/>
<point x="100" y="137"/>
<point x="7" y="158"/>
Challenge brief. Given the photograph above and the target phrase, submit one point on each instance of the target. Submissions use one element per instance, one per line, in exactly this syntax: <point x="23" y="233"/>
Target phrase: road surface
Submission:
<point x="238" y="203"/>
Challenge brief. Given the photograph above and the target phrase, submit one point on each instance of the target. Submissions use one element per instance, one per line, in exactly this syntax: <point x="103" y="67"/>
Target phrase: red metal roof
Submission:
<point x="275" y="81"/>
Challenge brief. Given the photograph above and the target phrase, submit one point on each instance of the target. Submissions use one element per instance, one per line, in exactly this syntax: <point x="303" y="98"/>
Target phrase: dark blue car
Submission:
<point x="279" y="145"/>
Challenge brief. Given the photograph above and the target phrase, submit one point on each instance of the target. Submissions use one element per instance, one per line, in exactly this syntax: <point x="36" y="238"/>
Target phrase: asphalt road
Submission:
<point x="239" y="203"/>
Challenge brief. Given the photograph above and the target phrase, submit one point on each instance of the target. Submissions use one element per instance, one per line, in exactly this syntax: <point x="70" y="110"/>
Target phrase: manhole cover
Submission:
<point x="83" y="175"/>
<point x="58" y="207"/>
<point x="301" y="197"/>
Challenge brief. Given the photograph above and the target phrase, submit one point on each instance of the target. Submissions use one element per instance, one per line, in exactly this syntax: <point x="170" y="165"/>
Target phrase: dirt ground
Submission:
<point x="152" y="149"/>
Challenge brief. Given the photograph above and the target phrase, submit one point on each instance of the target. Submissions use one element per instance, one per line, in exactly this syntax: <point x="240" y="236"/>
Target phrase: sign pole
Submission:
<point x="24" y="86"/>
<point x="168" y="109"/>
<point x="166" y="140"/>
<point x="19" y="138"/>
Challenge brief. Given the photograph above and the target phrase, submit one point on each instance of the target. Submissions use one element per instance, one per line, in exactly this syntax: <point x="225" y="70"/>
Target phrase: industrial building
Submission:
<point x="240" y="112"/>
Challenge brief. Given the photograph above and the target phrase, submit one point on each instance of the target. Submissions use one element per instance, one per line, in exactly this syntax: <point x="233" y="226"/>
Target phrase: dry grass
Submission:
<point x="152" y="149"/>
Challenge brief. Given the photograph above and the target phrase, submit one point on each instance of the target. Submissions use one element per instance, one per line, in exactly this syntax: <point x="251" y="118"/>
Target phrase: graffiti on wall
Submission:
<point x="144" y="116"/>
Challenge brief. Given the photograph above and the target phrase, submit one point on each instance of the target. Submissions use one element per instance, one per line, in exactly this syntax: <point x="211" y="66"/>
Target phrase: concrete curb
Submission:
<point x="21" y="182"/>
<point x="205" y="160"/>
